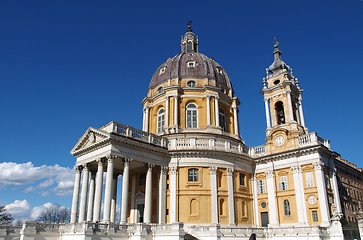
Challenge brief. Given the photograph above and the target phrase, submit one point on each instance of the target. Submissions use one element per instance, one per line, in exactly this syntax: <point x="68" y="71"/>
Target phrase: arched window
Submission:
<point x="193" y="175"/>
<point x="222" y="119"/>
<point x="192" y="115"/>
<point x="161" y="120"/>
<point x="287" y="208"/>
<point x="280" y="114"/>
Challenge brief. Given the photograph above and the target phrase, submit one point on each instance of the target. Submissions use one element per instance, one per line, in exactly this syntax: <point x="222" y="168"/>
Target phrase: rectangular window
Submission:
<point x="261" y="186"/>
<point x="241" y="179"/>
<point x="309" y="179"/>
<point x="283" y="184"/>
<point x="193" y="175"/>
<point x="315" y="216"/>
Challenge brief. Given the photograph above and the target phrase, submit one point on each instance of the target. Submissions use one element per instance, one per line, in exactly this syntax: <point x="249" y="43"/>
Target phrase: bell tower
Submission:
<point x="283" y="103"/>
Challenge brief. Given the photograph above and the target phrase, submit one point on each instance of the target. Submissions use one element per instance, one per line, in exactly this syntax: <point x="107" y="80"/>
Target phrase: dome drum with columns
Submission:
<point x="188" y="174"/>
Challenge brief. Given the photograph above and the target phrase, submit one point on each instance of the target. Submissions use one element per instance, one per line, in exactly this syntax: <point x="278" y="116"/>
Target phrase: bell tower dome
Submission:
<point x="283" y="103"/>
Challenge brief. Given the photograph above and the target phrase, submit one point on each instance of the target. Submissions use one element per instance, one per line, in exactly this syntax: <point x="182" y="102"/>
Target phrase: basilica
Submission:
<point x="188" y="175"/>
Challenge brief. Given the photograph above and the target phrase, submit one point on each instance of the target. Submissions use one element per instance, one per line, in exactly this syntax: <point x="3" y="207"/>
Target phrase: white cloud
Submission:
<point x="19" y="209"/>
<point x="35" y="213"/>
<point x="57" y="177"/>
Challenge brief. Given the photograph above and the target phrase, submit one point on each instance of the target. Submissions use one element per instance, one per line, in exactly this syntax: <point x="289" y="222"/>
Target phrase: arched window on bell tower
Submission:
<point x="280" y="113"/>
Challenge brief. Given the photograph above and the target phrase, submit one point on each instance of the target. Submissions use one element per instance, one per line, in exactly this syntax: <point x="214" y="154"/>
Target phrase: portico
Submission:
<point x="115" y="157"/>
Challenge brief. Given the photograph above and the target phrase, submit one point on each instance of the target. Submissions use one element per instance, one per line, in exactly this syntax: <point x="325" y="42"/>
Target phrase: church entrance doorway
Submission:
<point x="140" y="213"/>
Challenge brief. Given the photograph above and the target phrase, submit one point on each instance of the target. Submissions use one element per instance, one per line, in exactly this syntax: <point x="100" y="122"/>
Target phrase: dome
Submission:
<point x="190" y="65"/>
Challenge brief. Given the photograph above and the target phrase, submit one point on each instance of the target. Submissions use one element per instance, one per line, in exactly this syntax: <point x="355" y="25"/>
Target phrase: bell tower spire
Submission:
<point x="189" y="42"/>
<point x="283" y="103"/>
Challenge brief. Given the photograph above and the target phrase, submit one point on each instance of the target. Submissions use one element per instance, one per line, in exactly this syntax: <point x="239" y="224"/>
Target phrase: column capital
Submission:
<point x="213" y="170"/>
<point x="318" y="165"/>
<point x="230" y="171"/>
<point x="216" y="97"/>
<point x="173" y="170"/>
<point x="127" y="161"/>
<point x="207" y="95"/>
<point x="288" y="91"/>
<point x="266" y="99"/>
<point x="333" y="171"/>
<point x="163" y="169"/>
<point x="270" y="174"/>
<point x="78" y="168"/>
<point x="296" y="169"/>
<point x="150" y="166"/>
<point x="254" y="177"/>
<point x="100" y="161"/>
<point x="110" y="158"/>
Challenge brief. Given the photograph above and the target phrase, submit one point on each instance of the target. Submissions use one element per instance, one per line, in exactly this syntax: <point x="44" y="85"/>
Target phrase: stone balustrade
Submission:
<point x="137" y="134"/>
<point x="205" y="143"/>
<point x="312" y="139"/>
<point x="257" y="151"/>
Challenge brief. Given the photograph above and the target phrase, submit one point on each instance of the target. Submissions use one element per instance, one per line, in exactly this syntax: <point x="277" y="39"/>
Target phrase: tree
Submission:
<point x="5" y="216"/>
<point x="55" y="214"/>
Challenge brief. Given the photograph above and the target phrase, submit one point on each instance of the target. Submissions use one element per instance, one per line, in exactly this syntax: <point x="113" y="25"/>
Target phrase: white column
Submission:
<point x="289" y="103"/>
<point x="114" y="199"/>
<point x="173" y="185"/>
<point x="267" y="109"/>
<point x="272" y="207"/>
<point x="338" y="206"/>
<point x="125" y="191"/>
<point x="91" y="197"/>
<point x="235" y="120"/>
<point x="323" y="200"/>
<point x="143" y="119"/>
<point x="162" y="195"/>
<point x="77" y="183"/>
<point x="146" y="119"/>
<point x="98" y="193"/>
<point x="148" y="194"/>
<point x="166" y="113"/>
<point x="216" y="111"/>
<point x="108" y="188"/>
<point x="133" y="208"/>
<point x="214" y="198"/>
<point x="208" y="110"/>
<point x="302" y="189"/>
<point x="255" y="201"/>
<point x="230" y="196"/>
<point x="176" y="110"/>
<point x="300" y="198"/>
<point x="302" y="120"/>
<point x="82" y="207"/>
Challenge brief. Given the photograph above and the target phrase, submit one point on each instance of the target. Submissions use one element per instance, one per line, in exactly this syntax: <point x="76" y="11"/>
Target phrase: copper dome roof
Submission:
<point x="178" y="67"/>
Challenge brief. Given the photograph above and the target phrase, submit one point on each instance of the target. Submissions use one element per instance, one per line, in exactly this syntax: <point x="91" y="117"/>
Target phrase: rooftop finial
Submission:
<point x="276" y="42"/>
<point x="189" y="26"/>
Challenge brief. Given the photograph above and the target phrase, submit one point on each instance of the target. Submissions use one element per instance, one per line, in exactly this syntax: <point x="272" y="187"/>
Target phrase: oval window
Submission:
<point x="277" y="82"/>
<point x="191" y="84"/>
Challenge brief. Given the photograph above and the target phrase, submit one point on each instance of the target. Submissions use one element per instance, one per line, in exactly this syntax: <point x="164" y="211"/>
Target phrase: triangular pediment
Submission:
<point x="89" y="138"/>
<point x="140" y="194"/>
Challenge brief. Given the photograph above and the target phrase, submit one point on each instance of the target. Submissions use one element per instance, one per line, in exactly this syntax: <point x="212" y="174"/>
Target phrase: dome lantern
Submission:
<point x="189" y="42"/>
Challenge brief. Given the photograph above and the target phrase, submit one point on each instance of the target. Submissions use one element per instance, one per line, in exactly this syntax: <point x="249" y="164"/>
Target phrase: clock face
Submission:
<point x="280" y="140"/>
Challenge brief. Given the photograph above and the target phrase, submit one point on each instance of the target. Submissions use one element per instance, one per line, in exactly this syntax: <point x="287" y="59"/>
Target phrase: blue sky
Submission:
<point x="67" y="65"/>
